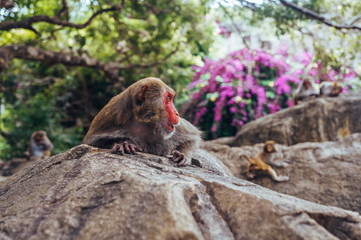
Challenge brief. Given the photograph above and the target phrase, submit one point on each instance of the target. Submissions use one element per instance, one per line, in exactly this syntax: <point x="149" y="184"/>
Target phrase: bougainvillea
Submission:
<point x="248" y="84"/>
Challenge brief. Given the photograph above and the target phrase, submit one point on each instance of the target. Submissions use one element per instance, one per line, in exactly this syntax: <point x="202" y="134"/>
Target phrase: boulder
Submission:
<point x="88" y="193"/>
<point x="319" y="120"/>
<point x="327" y="173"/>
<point x="14" y="165"/>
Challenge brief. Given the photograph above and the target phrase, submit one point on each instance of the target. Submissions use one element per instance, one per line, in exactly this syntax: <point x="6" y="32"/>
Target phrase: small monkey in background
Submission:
<point x="306" y="90"/>
<point x="330" y="89"/>
<point x="259" y="163"/>
<point x="143" y="118"/>
<point x="40" y="146"/>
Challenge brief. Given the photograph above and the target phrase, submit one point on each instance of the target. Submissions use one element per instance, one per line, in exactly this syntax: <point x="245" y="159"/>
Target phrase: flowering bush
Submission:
<point x="248" y="84"/>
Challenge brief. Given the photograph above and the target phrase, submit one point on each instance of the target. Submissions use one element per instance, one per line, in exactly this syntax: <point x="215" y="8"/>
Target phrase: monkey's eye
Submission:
<point x="169" y="98"/>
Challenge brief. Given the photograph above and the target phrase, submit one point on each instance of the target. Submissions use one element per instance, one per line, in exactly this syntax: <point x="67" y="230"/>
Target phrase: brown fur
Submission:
<point x="305" y="91"/>
<point x="259" y="162"/>
<point x="330" y="89"/>
<point x="126" y="118"/>
<point x="40" y="145"/>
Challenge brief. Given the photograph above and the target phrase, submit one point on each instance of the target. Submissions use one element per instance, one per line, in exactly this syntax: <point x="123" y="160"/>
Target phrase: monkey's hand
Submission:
<point x="125" y="147"/>
<point x="179" y="158"/>
<point x="250" y="175"/>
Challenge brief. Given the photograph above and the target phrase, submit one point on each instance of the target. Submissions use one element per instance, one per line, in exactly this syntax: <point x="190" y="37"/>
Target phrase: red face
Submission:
<point x="173" y="116"/>
<point x="307" y="84"/>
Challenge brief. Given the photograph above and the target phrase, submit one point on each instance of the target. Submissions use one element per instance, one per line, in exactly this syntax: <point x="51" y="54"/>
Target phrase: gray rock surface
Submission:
<point x="86" y="193"/>
<point x="328" y="173"/>
<point x="323" y="119"/>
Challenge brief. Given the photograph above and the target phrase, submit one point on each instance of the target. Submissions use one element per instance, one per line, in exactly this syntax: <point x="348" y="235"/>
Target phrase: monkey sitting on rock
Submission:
<point x="305" y="91"/>
<point x="40" y="146"/>
<point x="330" y="89"/>
<point x="143" y="118"/>
<point x="258" y="163"/>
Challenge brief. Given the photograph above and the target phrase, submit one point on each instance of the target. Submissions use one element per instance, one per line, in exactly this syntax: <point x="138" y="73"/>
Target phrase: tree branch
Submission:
<point x="27" y="22"/>
<point x="111" y="69"/>
<point x="138" y="65"/>
<point x="234" y="25"/>
<point x="249" y="5"/>
<point x="65" y="10"/>
<point x="318" y="17"/>
<point x="8" y="53"/>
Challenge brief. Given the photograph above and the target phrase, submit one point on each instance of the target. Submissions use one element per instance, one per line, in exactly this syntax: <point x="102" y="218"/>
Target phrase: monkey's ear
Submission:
<point x="141" y="94"/>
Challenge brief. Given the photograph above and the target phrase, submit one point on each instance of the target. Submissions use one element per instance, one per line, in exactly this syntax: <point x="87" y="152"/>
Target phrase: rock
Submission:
<point x="326" y="173"/>
<point x="319" y="120"/>
<point x="208" y="162"/>
<point x="87" y="193"/>
<point x="14" y="165"/>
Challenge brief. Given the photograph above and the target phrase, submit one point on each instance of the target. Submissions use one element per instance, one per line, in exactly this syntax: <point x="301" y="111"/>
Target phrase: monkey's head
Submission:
<point x="153" y="104"/>
<point x="307" y="83"/>
<point x="39" y="136"/>
<point x="269" y="146"/>
<point x="336" y="89"/>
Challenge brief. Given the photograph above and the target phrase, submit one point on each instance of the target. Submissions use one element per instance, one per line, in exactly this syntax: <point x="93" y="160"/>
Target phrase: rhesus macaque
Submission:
<point x="40" y="146"/>
<point x="259" y="163"/>
<point x="330" y="89"/>
<point x="143" y="118"/>
<point x="305" y="91"/>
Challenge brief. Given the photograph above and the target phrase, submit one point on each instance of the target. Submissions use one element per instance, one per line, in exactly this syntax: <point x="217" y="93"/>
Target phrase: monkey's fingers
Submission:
<point x="173" y="155"/>
<point x="115" y="148"/>
<point x="139" y="149"/>
<point x="178" y="158"/>
<point x="126" y="147"/>
<point x="134" y="148"/>
<point x="184" y="162"/>
<point x="118" y="149"/>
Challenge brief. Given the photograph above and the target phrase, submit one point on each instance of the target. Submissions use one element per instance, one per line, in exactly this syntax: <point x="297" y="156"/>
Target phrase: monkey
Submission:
<point x="143" y="118"/>
<point x="306" y="90"/>
<point x="330" y="89"/>
<point x="259" y="163"/>
<point x="40" y="146"/>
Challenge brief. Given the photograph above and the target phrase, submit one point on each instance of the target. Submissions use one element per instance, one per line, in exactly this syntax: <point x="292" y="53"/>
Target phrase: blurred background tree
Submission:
<point x="62" y="61"/>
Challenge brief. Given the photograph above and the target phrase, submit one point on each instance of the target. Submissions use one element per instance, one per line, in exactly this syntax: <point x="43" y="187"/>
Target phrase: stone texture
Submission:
<point x="323" y="119"/>
<point x="326" y="173"/>
<point x="14" y="165"/>
<point x="86" y="193"/>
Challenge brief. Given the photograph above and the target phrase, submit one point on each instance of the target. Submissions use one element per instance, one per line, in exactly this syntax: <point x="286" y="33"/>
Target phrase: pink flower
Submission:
<point x="233" y="110"/>
<point x="350" y="75"/>
<point x="223" y="31"/>
<point x="282" y="49"/>
<point x="306" y="58"/>
<point x="249" y="81"/>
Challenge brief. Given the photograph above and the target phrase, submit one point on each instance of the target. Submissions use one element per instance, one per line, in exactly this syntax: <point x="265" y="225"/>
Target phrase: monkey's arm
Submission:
<point x="186" y="141"/>
<point x="49" y="145"/>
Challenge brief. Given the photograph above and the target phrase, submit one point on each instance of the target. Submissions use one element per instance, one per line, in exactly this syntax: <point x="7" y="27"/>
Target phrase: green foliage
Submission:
<point x="63" y="100"/>
<point x="38" y="113"/>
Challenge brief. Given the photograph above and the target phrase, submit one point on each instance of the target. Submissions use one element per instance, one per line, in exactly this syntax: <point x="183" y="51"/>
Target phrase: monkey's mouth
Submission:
<point x="170" y="127"/>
